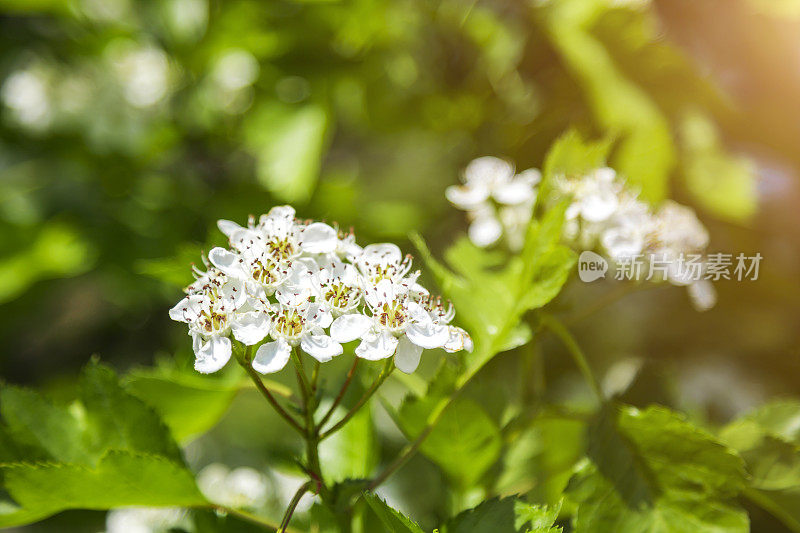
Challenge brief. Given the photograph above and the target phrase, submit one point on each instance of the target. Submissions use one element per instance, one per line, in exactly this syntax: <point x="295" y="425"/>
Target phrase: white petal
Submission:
<point x="407" y="357"/>
<point x="320" y="347"/>
<point x="467" y="197"/>
<point x="213" y="355"/>
<point x="282" y="211"/>
<point x="226" y="261"/>
<point x="703" y="295"/>
<point x="319" y="238"/>
<point x="598" y="207"/>
<point x="348" y="328"/>
<point x="272" y="356"/>
<point x="428" y="335"/>
<point x="233" y="291"/>
<point x="251" y="328"/>
<point x="377" y="345"/>
<point x="514" y="192"/>
<point x="186" y="310"/>
<point x="488" y="170"/>
<point x="458" y="340"/>
<point x="228" y="227"/>
<point x="381" y="254"/>
<point x="485" y="231"/>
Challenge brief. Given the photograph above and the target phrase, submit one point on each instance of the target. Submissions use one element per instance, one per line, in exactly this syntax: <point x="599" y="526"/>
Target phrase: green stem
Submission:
<point x="387" y="370"/>
<point x="287" y="516"/>
<point x="342" y="391"/>
<point x="574" y="349"/>
<point x="249" y="517"/>
<point x="300" y="370"/>
<point x="411" y="448"/>
<point x="245" y="363"/>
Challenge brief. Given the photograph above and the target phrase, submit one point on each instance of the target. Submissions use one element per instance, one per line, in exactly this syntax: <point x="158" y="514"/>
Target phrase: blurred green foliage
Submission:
<point x="127" y="128"/>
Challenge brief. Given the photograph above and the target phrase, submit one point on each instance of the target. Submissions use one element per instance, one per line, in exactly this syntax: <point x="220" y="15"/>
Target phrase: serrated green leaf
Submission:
<point x="120" y="479"/>
<point x="652" y="471"/>
<point x="506" y="515"/>
<point x="768" y="441"/>
<point x="117" y="420"/>
<point x="465" y="442"/>
<point x="188" y="406"/>
<point x="55" y="432"/>
<point x="393" y="520"/>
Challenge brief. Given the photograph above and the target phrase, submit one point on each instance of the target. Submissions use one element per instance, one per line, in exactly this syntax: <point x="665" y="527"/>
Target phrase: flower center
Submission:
<point x="264" y="274"/>
<point x="212" y="321"/>
<point x="281" y="248"/>
<point x="393" y="315"/>
<point x="340" y="295"/>
<point x="290" y="324"/>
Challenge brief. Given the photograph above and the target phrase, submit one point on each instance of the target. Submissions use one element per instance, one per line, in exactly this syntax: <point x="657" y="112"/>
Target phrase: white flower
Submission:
<point x="237" y="488"/>
<point x="490" y="185"/>
<point x="297" y="321"/>
<point x="398" y="326"/>
<point x="145" y="520"/>
<point x="458" y="338"/>
<point x="595" y="196"/>
<point x="338" y="285"/>
<point x="624" y="235"/>
<point x="383" y="261"/>
<point x="209" y="310"/>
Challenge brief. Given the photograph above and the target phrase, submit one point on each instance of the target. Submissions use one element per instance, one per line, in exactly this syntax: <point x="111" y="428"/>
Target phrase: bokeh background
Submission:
<point x="127" y="128"/>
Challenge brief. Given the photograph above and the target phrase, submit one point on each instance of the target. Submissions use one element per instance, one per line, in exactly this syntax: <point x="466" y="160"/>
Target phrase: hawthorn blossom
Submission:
<point x="442" y="315"/>
<point x="280" y="284"/>
<point x="297" y="322"/>
<point x="398" y="326"/>
<point x="209" y="309"/>
<point x="497" y="201"/>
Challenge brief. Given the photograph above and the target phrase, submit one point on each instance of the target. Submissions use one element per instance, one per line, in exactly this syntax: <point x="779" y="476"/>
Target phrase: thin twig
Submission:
<point x="342" y="390"/>
<point x="300" y="370"/>
<point x="574" y="349"/>
<point x="245" y="363"/>
<point x="387" y="370"/>
<point x="287" y="516"/>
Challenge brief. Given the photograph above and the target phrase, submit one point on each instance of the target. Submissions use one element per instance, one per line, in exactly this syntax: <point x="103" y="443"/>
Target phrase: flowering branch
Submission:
<point x="387" y="370"/>
<point x="339" y="396"/>
<point x="245" y="363"/>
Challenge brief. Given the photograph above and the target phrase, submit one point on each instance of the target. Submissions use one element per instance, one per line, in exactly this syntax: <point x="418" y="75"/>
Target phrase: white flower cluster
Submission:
<point x="498" y="201"/>
<point x="306" y="285"/>
<point x="603" y="213"/>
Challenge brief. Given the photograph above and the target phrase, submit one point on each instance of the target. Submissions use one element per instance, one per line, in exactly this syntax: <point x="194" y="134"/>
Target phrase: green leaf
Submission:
<point x="119" y="479"/>
<point x="351" y="452"/>
<point x="492" y="293"/>
<point x="393" y="520"/>
<point x="54" y="431"/>
<point x="506" y="515"/>
<point x="724" y="184"/>
<point x="645" y="153"/>
<point x="190" y="405"/>
<point x="117" y="420"/>
<point x="653" y="471"/>
<point x="539" y="460"/>
<point x="769" y="441"/>
<point x="571" y="155"/>
<point x="465" y="442"/>
<point x="288" y="142"/>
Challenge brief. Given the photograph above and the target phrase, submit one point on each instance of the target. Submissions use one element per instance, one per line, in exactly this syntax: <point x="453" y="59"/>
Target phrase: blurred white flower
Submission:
<point x="25" y="92"/>
<point x="241" y="487"/>
<point x="497" y="201"/>
<point x="235" y="69"/>
<point x="145" y="520"/>
<point x="143" y="72"/>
